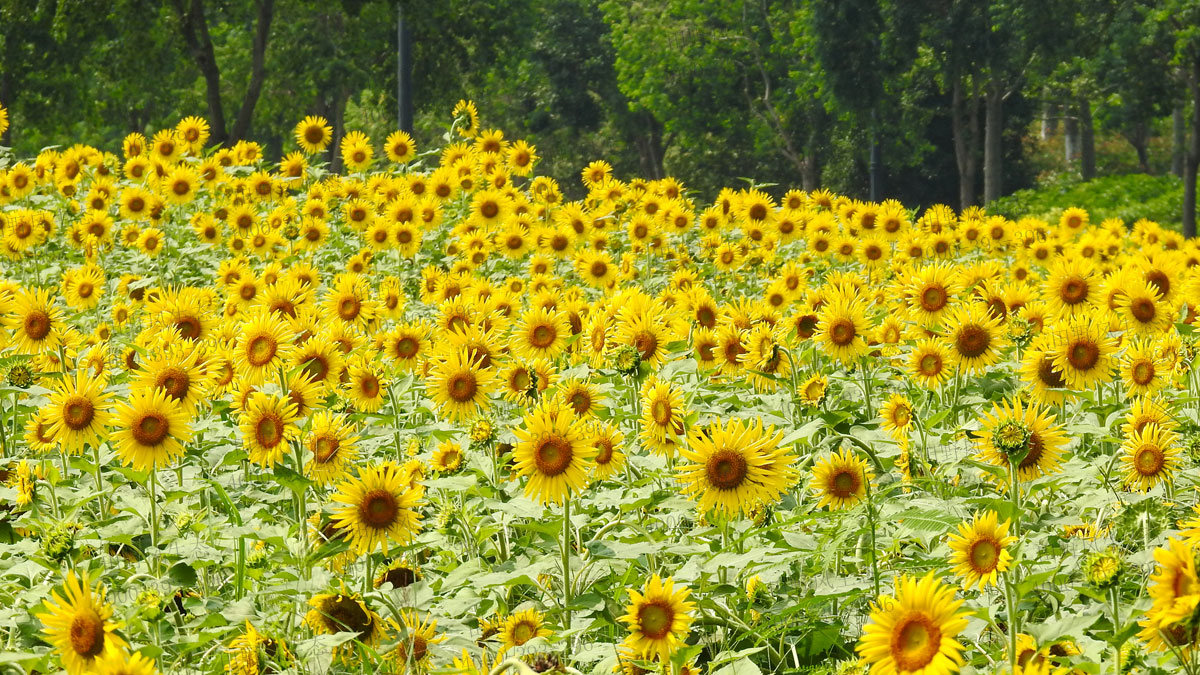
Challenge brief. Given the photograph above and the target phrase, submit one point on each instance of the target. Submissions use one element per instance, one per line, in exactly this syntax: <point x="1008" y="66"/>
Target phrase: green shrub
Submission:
<point x="1128" y="197"/>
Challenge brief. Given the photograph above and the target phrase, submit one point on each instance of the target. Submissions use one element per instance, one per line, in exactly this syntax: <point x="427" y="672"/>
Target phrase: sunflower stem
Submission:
<point x="866" y="387"/>
<point x="566" y="566"/>
<point x="396" y="428"/>
<point x="152" y="486"/>
<point x="1010" y="598"/>
<point x="1114" y="595"/>
<point x="302" y="512"/>
<point x="874" y="552"/>
<point x="99" y="482"/>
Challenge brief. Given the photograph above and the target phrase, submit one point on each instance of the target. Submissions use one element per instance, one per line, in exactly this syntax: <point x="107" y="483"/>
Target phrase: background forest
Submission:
<point x="958" y="101"/>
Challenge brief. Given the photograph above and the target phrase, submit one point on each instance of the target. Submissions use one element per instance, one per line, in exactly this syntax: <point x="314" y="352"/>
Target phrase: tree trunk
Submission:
<point x="1070" y="137"/>
<point x="1049" y="116"/>
<point x="339" y="129"/>
<point x="1087" y="140"/>
<point x="649" y="145"/>
<point x="1139" y="137"/>
<point x="194" y="26"/>
<point x="964" y="123"/>
<point x="6" y="100"/>
<point x="258" y="70"/>
<point x="1193" y="154"/>
<point x="1177" y="140"/>
<point x="993" y="145"/>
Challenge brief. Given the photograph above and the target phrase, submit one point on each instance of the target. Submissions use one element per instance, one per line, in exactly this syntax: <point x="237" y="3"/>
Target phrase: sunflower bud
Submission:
<point x="1020" y="331"/>
<point x="482" y="431"/>
<point x="1012" y="438"/>
<point x="1103" y="569"/>
<point x="21" y="376"/>
<point x="627" y="360"/>
<point x="58" y="541"/>
<point x="150" y="604"/>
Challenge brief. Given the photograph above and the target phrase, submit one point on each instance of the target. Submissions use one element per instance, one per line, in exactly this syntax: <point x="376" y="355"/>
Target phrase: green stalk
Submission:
<point x="302" y="512"/>
<point x="566" y="564"/>
<point x="1115" y="597"/>
<point x="153" y="488"/>
<point x="99" y="482"/>
<point x="874" y="552"/>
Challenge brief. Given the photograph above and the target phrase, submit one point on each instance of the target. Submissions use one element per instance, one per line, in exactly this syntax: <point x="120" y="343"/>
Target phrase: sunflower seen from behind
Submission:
<point x="659" y="618"/>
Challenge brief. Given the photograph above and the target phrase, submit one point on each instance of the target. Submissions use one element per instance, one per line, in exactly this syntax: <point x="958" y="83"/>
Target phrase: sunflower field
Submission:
<point x="429" y="415"/>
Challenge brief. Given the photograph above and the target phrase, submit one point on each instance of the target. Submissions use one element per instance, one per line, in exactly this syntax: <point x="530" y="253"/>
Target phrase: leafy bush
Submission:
<point x="1128" y="197"/>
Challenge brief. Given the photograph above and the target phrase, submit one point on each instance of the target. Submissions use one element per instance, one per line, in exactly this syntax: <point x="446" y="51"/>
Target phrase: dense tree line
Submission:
<point x="923" y="100"/>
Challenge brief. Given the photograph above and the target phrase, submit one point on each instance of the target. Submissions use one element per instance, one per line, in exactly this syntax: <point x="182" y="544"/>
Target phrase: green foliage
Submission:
<point x="1128" y="197"/>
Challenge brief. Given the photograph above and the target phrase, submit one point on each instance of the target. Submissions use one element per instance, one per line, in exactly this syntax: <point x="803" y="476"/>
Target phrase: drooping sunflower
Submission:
<point x="151" y="429"/>
<point x="377" y="507"/>
<point x="267" y="424"/>
<point x="764" y="361"/>
<point x="79" y="412"/>
<point x="521" y="627"/>
<point x="979" y="552"/>
<point x="553" y="452"/>
<point x="79" y="625"/>
<point x="840" y="479"/>
<point x="812" y="390"/>
<point x="333" y="444"/>
<point x="447" y="458"/>
<point x="1083" y="352"/>
<point x="1038" y="372"/>
<point x="914" y="630"/>
<point x="412" y="653"/>
<point x="659" y="618"/>
<point x="459" y="387"/>
<point x="974" y="338"/>
<point x="1026" y="431"/>
<point x="732" y="467"/>
<point x="341" y="613"/>
<point x="1149" y="456"/>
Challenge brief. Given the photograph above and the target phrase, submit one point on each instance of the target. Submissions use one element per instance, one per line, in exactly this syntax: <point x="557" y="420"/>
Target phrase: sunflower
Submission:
<point x="78" y="412"/>
<point x="78" y="624"/>
<point x="1149" y="456"/>
<point x="581" y="397"/>
<point x="1175" y="595"/>
<point x="263" y="346"/>
<point x="313" y="134"/>
<point x="413" y="650"/>
<point x="1143" y="370"/>
<point x="400" y="147"/>
<point x="929" y="363"/>
<point x="662" y="416"/>
<point x="447" y="458"/>
<point x="521" y="627"/>
<point x="152" y="429"/>
<point x="333" y="445"/>
<point x="975" y="338"/>
<point x="179" y="372"/>
<point x="979" y="551"/>
<point x="1027" y="431"/>
<point x="608" y="441"/>
<point x="1073" y="287"/>
<point x="37" y="325"/>
<point x="407" y="345"/>
<point x="930" y="292"/>
<point x="118" y="663"/>
<point x="1143" y="309"/>
<point x="812" y="390"/>
<point x="1146" y="410"/>
<point x="341" y="613"/>
<point x="764" y="361"/>
<point x="842" y="327"/>
<point x="365" y="385"/>
<point x="267" y="424"/>
<point x="459" y="387"/>
<point x="841" y="480"/>
<point x="897" y="414"/>
<point x="1039" y="373"/>
<point x="734" y="467"/>
<point x="645" y="331"/>
<point x="659" y="617"/>
<point x="378" y="506"/>
<point x="1083" y="352"/>
<point x="914" y="630"/>
<point x="552" y="451"/>
<point x="466" y="118"/>
<point x="540" y="334"/>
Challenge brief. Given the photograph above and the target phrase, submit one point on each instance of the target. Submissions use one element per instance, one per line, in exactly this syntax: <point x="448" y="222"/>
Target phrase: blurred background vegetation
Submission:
<point x="957" y="101"/>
